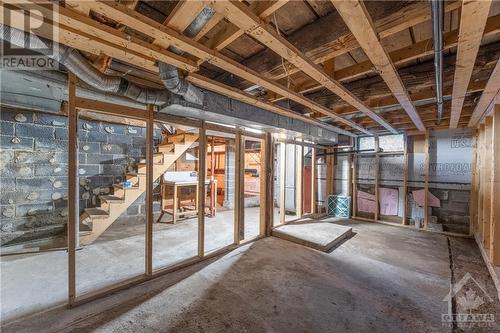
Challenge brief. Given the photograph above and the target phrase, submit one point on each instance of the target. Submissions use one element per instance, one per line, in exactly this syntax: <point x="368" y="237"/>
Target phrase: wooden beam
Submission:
<point x="242" y="96"/>
<point x="183" y="14"/>
<point x="202" y="193"/>
<point x="152" y="28"/>
<point x="472" y="22"/>
<point x="238" y="13"/>
<point x="359" y="22"/>
<point x="495" y="189"/>
<point x="149" y="191"/>
<point x="110" y="108"/>
<point x="488" y="96"/>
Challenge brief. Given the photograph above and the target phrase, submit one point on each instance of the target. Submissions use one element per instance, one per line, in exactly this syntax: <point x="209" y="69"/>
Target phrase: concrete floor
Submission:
<point x="383" y="279"/>
<point x="35" y="282"/>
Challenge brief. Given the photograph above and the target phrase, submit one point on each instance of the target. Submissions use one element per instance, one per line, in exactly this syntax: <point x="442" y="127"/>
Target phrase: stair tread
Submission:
<point x="96" y="212"/>
<point x="110" y="198"/>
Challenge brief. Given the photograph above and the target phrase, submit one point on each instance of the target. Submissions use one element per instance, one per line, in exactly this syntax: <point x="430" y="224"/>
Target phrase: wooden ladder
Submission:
<point x="94" y="221"/>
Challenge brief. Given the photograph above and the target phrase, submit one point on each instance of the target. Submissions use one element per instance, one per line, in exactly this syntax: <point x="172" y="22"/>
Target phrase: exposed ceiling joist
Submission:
<point x="231" y="32"/>
<point x="412" y="15"/>
<point x="240" y="15"/>
<point x="472" y="22"/>
<point x="359" y="22"/>
<point x="163" y="34"/>
<point x="75" y="39"/>
<point x="401" y="56"/>
<point x="488" y="97"/>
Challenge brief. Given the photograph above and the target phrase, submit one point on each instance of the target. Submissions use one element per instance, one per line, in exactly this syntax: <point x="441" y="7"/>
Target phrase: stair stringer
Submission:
<point x="132" y="194"/>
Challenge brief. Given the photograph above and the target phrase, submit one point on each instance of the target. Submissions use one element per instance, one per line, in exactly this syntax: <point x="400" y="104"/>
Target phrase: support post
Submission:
<point x="330" y="171"/>
<point x="73" y="191"/>
<point x="149" y="191"/>
<point x="202" y="158"/>
<point x="495" y="189"/>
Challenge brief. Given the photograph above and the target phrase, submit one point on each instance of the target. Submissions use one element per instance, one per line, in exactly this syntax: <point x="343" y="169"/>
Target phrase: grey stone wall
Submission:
<point x="33" y="160"/>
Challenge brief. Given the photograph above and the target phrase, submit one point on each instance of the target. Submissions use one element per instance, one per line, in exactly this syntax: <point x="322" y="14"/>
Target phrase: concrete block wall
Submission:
<point x="33" y="160"/>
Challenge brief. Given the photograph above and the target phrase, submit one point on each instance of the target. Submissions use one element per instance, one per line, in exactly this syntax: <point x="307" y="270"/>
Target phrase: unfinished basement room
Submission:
<point x="250" y="166"/>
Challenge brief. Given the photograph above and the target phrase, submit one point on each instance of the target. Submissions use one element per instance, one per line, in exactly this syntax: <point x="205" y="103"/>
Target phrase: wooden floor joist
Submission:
<point x="359" y="22"/>
<point x="487" y="100"/>
<point x="163" y="34"/>
<point x="242" y="16"/>
<point x="472" y="23"/>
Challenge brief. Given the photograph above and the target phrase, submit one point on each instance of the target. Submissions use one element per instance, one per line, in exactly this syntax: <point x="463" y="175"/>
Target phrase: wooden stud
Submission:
<point x="73" y="188"/>
<point x="282" y="176"/>
<point x="202" y="193"/>
<point x="481" y="175"/>
<point x="405" y="182"/>
<point x="314" y="181"/>
<point x="472" y="22"/>
<point x="377" y="176"/>
<point x="239" y="212"/>
<point x="473" y="192"/>
<point x="355" y="185"/>
<point x="299" y="179"/>
<point x="359" y="22"/>
<point x="426" y="179"/>
<point x="266" y="185"/>
<point x="487" y="195"/>
<point x="495" y="189"/>
<point x="149" y="191"/>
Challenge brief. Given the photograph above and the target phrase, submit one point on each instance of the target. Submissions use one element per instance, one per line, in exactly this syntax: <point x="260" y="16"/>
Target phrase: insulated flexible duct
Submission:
<point x="76" y="63"/>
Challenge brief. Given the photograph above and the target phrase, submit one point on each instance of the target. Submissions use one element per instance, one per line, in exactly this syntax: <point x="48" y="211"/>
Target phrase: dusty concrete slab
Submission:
<point x="384" y="279"/>
<point x="321" y="236"/>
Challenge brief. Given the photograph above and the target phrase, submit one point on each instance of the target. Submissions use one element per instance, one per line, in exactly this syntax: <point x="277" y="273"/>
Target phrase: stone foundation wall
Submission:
<point x="33" y="160"/>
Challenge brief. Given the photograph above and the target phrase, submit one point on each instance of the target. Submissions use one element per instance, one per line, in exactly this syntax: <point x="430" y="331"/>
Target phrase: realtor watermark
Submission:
<point x="468" y="304"/>
<point x="30" y="30"/>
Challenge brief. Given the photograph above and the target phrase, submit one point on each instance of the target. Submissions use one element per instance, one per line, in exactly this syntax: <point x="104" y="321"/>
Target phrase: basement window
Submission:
<point x="366" y="143"/>
<point x="394" y="142"/>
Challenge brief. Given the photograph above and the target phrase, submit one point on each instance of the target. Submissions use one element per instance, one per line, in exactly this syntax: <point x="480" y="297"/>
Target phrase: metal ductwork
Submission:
<point x="170" y="75"/>
<point x="76" y="63"/>
<point x="437" y="39"/>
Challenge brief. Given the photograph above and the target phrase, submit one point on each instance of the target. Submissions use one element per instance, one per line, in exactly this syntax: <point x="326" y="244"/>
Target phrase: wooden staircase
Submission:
<point x="94" y="221"/>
